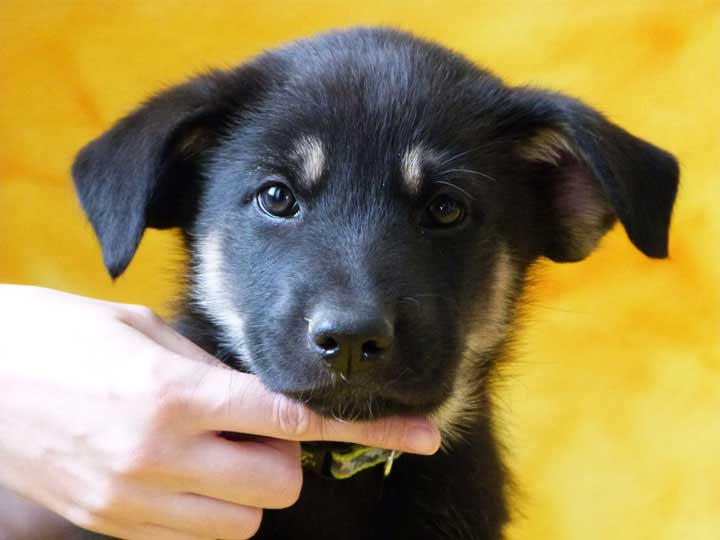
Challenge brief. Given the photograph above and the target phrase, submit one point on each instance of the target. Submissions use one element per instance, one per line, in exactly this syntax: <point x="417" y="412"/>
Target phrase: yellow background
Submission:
<point x="611" y="410"/>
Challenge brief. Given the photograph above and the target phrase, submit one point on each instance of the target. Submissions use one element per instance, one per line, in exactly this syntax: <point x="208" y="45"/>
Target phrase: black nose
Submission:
<point x="351" y="340"/>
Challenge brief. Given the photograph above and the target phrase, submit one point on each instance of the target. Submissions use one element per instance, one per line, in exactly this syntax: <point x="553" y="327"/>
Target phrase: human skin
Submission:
<point x="111" y="419"/>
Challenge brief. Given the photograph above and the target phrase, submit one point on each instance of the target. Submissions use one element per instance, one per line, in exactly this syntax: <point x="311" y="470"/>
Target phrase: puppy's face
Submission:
<point x="361" y="209"/>
<point x="345" y="258"/>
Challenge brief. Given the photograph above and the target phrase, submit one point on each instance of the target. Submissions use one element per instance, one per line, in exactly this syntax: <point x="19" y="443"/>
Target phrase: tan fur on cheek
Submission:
<point x="462" y="408"/>
<point x="211" y="294"/>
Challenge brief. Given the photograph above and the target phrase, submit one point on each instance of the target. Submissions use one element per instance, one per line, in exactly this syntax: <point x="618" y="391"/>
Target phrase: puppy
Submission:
<point x="360" y="211"/>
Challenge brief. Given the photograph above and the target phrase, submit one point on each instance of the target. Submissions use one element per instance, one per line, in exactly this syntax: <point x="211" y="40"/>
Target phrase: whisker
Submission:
<point x="461" y="190"/>
<point x="469" y="171"/>
<point x="456" y="156"/>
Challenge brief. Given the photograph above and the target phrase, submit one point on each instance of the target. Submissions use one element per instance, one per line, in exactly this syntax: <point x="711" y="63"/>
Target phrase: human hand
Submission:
<point x="111" y="419"/>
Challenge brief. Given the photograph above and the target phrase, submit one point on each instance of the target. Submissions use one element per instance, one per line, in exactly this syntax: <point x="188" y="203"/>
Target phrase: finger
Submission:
<point x="154" y="327"/>
<point x="247" y="406"/>
<point x="208" y="518"/>
<point x="150" y="531"/>
<point x="194" y="515"/>
<point x="129" y="530"/>
<point x="262" y="474"/>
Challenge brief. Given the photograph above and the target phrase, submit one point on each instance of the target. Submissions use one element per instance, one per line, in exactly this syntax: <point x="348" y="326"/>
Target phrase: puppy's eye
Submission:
<point x="277" y="200"/>
<point x="444" y="211"/>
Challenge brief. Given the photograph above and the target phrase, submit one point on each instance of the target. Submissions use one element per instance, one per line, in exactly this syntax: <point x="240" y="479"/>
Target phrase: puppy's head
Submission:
<point x="361" y="209"/>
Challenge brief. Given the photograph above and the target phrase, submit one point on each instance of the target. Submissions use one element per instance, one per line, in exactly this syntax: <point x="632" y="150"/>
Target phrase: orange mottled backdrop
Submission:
<point x="611" y="412"/>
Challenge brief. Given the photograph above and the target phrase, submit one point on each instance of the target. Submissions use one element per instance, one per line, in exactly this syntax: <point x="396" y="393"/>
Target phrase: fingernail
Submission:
<point x="424" y="438"/>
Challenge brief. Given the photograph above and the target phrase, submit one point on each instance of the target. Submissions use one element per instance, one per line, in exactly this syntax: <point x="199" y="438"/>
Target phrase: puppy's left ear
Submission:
<point x="145" y="171"/>
<point x="590" y="172"/>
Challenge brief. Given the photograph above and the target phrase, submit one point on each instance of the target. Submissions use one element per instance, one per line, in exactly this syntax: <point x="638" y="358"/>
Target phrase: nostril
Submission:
<point x="327" y="343"/>
<point x="373" y="348"/>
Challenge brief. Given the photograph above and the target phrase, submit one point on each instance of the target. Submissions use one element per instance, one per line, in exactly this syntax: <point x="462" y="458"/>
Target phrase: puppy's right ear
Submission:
<point x="144" y="172"/>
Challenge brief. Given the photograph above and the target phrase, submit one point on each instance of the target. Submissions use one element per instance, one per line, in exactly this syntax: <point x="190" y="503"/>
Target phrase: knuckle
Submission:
<point x="104" y="502"/>
<point x="138" y="461"/>
<point x="142" y="454"/>
<point x="169" y="400"/>
<point x="140" y="316"/>
<point x="83" y="518"/>
<point x="291" y="417"/>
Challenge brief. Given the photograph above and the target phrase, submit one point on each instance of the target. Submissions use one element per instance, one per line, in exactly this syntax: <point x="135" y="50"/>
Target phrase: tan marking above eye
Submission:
<point x="411" y="168"/>
<point x="310" y="154"/>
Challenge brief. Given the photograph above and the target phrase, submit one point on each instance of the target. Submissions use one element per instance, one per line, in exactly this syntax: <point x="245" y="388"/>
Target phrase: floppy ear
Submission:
<point x="592" y="172"/>
<point x="144" y="171"/>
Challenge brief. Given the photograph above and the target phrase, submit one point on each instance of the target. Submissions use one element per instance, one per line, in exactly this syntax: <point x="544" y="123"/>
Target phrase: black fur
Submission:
<point x="195" y="156"/>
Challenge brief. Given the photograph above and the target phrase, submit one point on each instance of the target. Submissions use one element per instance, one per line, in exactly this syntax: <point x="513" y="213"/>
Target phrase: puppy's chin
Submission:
<point x="363" y="396"/>
<point x="358" y="404"/>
